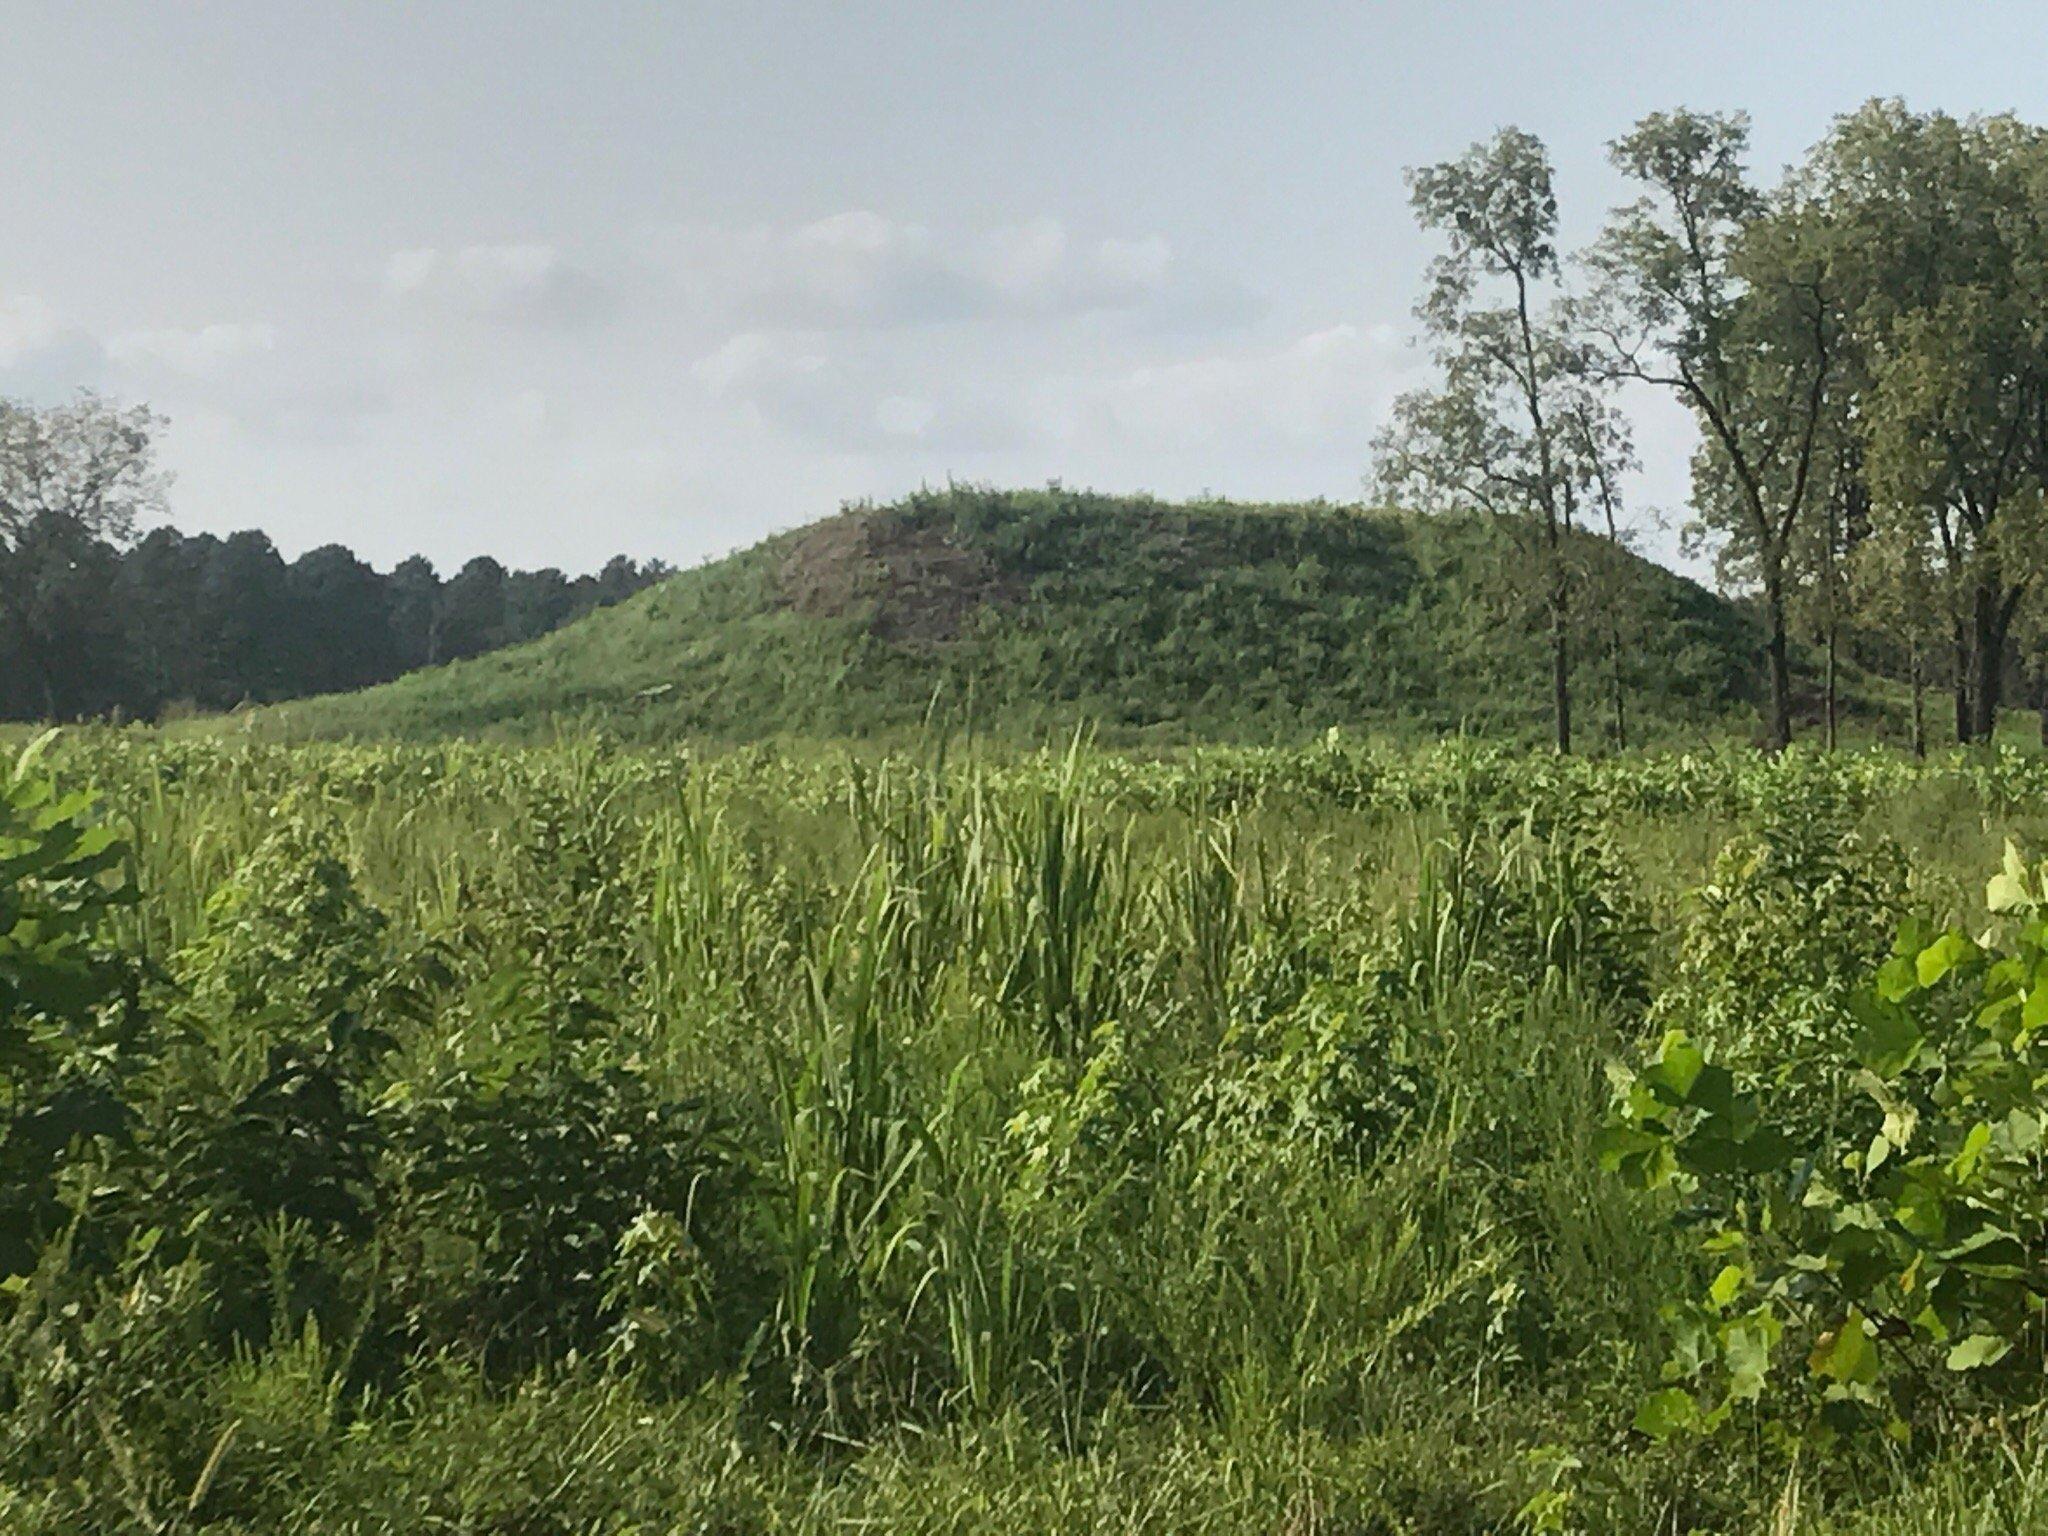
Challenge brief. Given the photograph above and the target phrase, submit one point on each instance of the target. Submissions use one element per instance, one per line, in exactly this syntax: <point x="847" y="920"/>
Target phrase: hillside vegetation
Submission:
<point x="1031" y="612"/>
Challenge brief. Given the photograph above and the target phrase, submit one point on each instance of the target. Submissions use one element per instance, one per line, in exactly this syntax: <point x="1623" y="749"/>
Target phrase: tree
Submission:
<point x="342" y="637"/>
<point x="415" y="604"/>
<point x="535" y="603"/>
<point x="246" y="615"/>
<point x="1598" y="441"/>
<point x="1489" y="436"/>
<point x="1945" y="244"/>
<point x="71" y="476"/>
<point x="1897" y="591"/>
<point x="1820" y="560"/>
<point x="473" y="609"/>
<point x="1726" y="297"/>
<point x="158" y="602"/>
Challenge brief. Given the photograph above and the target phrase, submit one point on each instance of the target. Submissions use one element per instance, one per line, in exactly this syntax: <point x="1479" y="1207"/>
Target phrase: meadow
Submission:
<point x="582" y="1137"/>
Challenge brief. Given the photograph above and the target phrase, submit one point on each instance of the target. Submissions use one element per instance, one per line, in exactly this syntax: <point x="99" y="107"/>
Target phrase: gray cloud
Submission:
<point x="43" y="356"/>
<point x="862" y="270"/>
<point x="1324" y="389"/>
<point x="529" y="283"/>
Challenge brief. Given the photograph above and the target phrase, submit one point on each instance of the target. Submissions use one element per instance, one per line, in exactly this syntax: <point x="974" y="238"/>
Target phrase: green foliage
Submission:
<point x="579" y="1137"/>
<point x="63" y="994"/>
<point x="1025" y="614"/>
<point x="1876" y="1266"/>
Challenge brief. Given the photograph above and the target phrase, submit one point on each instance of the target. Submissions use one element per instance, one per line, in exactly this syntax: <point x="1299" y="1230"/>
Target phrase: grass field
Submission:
<point x="580" y="1139"/>
<point x="1024" y="614"/>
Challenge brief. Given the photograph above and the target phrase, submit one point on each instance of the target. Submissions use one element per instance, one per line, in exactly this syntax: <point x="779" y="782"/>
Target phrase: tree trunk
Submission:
<point x="1989" y="623"/>
<point x="1561" y="669"/>
<point x="1919" y="699"/>
<point x="1777" y="659"/>
<point x="1620" y="693"/>
<point x="1560" y="633"/>
<point x="1962" y="680"/>
<point x="1831" y="687"/>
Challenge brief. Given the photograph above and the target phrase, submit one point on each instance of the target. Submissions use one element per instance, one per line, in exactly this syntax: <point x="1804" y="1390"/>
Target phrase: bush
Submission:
<point x="1876" y="1259"/>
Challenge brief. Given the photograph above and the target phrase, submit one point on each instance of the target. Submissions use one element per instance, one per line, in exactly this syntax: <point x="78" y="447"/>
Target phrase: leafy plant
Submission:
<point x="1879" y="1268"/>
<point x="66" y="999"/>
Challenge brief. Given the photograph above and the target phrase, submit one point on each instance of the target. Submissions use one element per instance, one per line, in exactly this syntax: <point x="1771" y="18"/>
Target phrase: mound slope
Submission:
<point x="1030" y="612"/>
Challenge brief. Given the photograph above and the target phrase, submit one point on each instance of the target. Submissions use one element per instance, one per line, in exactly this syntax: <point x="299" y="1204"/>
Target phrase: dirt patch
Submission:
<point x="912" y="578"/>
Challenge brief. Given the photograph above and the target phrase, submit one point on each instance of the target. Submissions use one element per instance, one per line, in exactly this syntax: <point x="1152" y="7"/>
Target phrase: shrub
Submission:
<point x="1877" y="1266"/>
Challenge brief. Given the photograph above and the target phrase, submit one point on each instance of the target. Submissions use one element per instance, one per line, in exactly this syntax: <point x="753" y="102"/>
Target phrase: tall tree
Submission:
<point x="1944" y="242"/>
<point x="1599" y="442"/>
<point x="415" y="613"/>
<point x="72" y="476"/>
<point x="246" y="615"/>
<point x="1727" y="297"/>
<point x="1897" y="592"/>
<point x="1489" y="436"/>
<point x="1821" y="561"/>
<point x="473" y="609"/>
<point x="342" y="635"/>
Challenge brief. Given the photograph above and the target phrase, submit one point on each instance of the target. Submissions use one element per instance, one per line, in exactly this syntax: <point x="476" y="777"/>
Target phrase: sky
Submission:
<point x="554" y="281"/>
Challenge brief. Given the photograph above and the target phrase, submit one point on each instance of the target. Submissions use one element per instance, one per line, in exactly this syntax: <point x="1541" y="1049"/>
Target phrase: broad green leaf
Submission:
<point x="1965" y="1163"/>
<point x="1676" y="1069"/>
<point x="2035" y="1013"/>
<point x="1979" y="1349"/>
<point x="1941" y="957"/>
<point x="1897" y="979"/>
<point x="1747" y="1349"/>
<point x="2004" y="893"/>
<point x="1922" y="1207"/>
<point x="2008" y="888"/>
<point x="1846" y="1354"/>
<point x="1664" y="1414"/>
<point x="1727" y="1284"/>
<point x="1889" y="1039"/>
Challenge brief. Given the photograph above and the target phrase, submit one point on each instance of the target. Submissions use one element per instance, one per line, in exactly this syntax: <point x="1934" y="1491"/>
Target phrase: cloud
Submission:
<point x="199" y="352"/>
<point x="1323" y="390"/>
<point x="862" y="270"/>
<point x="524" y="284"/>
<point x="1328" y="386"/>
<point x="904" y="416"/>
<point x="41" y="354"/>
<point x="848" y="394"/>
<point x="786" y="383"/>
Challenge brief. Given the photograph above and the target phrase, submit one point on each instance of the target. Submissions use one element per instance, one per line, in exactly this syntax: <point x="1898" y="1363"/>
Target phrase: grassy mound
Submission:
<point x="1027" y="613"/>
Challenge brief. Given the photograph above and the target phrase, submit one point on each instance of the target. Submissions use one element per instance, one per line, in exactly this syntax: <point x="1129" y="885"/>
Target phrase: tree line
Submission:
<point x="1863" y="344"/>
<point x="100" y="620"/>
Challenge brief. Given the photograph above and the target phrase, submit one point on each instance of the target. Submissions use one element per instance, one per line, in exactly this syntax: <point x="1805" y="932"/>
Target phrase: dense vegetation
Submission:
<point x="576" y="1139"/>
<point x="176" y="623"/>
<point x="1026" y="612"/>
<point x="590" y="1132"/>
<point x="1859" y="344"/>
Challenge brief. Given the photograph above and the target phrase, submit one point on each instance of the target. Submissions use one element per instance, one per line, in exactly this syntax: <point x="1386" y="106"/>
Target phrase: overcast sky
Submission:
<point x="550" y="281"/>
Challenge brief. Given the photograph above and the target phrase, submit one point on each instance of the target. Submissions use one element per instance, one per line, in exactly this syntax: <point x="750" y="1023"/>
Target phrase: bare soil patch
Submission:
<point x="913" y="579"/>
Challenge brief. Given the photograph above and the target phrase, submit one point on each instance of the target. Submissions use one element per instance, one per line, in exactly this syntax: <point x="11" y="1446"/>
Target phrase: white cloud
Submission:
<point x="1322" y="392"/>
<point x="756" y="360"/>
<point x="200" y="351"/>
<point x="27" y="325"/>
<point x="529" y="283"/>
<point x="1328" y="386"/>
<point x="42" y="354"/>
<point x="862" y="270"/>
<point x="904" y="415"/>
<point x="785" y="382"/>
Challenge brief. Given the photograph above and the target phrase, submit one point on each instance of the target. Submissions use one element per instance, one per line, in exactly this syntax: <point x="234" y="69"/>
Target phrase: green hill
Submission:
<point x="1029" y="612"/>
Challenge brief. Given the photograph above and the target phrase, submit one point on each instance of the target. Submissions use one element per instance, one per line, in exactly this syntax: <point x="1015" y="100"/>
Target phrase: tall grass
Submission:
<point x="936" y="1142"/>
